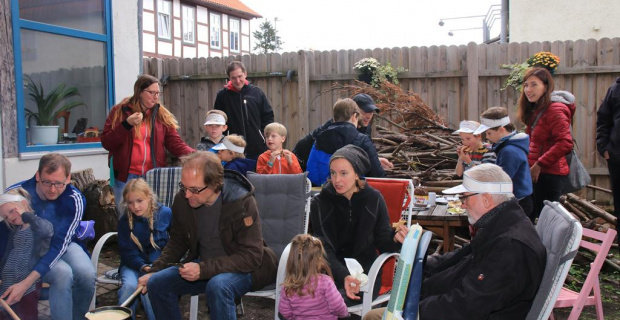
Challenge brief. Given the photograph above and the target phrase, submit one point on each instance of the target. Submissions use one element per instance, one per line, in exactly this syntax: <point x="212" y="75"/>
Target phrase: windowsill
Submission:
<point x="69" y="153"/>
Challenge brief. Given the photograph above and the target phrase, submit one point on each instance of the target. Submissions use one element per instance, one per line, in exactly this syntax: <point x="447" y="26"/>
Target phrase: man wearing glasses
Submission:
<point x="66" y="266"/>
<point x="215" y="221"/>
<point x="497" y="275"/>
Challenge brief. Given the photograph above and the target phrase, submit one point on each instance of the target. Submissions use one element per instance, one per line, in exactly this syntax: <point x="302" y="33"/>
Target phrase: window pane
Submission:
<point x="163" y="19"/>
<point x="215" y="30"/>
<point x="188" y="24"/>
<point x="86" y="15"/>
<point x="52" y="60"/>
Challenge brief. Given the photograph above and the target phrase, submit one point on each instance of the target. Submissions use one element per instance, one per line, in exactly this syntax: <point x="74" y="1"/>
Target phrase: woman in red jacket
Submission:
<point x="137" y="134"/>
<point x="548" y="116"/>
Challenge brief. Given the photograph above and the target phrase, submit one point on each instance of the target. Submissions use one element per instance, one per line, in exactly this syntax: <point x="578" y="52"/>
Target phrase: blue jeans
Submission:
<point x="118" y="188"/>
<point x="166" y="286"/>
<point x="72" y="284"/>
<point x="130" y="277"/>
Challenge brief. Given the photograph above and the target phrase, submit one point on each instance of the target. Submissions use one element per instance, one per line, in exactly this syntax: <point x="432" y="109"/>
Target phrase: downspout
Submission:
<point x="140" y="45"/>
<point x="503" y="36"/>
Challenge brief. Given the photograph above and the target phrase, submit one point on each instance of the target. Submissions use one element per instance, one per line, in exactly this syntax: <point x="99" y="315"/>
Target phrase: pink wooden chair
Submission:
<point x="578" y="300"/>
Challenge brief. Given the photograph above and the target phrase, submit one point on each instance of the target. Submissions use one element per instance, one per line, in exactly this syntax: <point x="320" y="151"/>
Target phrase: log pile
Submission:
<point x="417" y="142"/>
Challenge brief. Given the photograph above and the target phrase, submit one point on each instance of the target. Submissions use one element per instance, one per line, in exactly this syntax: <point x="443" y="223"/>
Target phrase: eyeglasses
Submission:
<point x="48" y="184"/>
<point x="153" y="93"/>
<point x="463" y="198"/>
<point x="192" y="190"/>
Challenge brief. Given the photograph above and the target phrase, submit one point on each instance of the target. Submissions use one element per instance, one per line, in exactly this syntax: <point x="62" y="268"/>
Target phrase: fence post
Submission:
<point x="303" y="92"/>
<point x="472" y="82"/>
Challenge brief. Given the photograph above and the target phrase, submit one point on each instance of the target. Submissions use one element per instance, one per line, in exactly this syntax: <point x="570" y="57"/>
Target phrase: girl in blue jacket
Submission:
<point x="142" y="234"/>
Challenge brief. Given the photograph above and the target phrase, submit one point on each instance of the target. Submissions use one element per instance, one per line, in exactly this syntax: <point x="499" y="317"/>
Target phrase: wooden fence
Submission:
<point x="458" y="82"/>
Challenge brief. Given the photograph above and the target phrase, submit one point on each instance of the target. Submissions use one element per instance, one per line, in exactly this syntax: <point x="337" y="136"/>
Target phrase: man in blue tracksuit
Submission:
<point x="66" y="266"/>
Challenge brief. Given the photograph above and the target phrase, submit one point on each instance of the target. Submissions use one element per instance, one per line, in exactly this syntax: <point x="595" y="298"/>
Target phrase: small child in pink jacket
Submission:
<point x="308" y="291"/>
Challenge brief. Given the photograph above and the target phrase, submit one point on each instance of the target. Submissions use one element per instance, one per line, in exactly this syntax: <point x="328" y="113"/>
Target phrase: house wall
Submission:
<point x="154" y="47"/>
<point x="127" y="59"/>
<point x="563" y="20"/>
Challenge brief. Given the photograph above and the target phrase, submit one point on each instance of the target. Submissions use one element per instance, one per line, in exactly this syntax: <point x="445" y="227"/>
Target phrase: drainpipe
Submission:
<point x="140" y="45"/>
<point x="504" y="19"/>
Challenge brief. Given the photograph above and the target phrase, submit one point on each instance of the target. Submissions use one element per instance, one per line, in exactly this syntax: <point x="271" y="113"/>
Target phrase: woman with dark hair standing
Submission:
<point x="548" y="117"/>
<point x="137" y="134"/>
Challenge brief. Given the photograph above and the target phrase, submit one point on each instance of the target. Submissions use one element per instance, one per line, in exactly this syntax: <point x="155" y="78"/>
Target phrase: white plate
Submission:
<point x="421" y="208"/>
<point x="443" y="201"/>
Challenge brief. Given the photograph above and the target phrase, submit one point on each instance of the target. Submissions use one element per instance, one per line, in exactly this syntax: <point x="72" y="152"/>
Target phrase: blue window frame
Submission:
<point x="58" y="43"/>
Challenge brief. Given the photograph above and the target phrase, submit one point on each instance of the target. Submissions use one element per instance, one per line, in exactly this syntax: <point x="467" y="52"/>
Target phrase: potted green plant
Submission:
<point x="366" y="69"/>
<point x="45" y="128"/>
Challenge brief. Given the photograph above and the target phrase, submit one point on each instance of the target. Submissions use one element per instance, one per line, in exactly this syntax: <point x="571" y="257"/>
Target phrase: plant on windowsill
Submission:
<point x="49" y="108"/>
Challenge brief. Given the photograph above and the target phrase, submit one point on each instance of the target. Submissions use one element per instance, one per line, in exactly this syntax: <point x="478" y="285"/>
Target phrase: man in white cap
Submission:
<point x="497" y="275"/>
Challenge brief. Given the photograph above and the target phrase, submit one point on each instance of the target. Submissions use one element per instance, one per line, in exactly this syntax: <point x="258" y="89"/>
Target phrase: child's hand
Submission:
<point x="274" y="155"/>
<point x="463" y="152"/>
<point x="288" y="156"/>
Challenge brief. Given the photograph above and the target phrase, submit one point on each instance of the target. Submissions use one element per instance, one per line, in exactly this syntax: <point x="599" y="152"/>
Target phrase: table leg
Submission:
<point x="448" y="238"/>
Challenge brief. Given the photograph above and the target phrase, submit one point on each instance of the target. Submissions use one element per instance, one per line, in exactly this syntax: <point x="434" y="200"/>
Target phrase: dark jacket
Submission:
<point x="340" y="134"/>
<point x="551" y="139"/>
<point x="241" y="165"/>
<point x="42" y="231"/>
<point x="302" y="147"/>
<point x="206" y="144"/>
<point x="119" y="141"/>
<point x="240" y="231"/>
<point x="248" y="113"/>
<point x="353" y="228"/>
<point x="130" y="253"/>
<point x="608" y="122"/>
<point x="512" y="157"/>
<point x="495" y="277"/>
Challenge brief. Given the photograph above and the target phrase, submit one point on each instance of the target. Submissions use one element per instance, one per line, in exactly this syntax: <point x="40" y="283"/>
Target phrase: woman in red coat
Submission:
<point x="137" y="134"/>
<point x="548" y="117"/>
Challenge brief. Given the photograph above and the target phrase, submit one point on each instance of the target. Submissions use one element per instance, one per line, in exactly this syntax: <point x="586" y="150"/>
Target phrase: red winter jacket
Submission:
<point x="551" y="139"/>
<point x="119" y="141"/>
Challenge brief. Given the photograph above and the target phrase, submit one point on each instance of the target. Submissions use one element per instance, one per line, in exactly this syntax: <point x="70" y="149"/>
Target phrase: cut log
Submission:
<point x="599" y="188"/>
<point x="100" y="207"/>
<point x="578" y="213"/>
<point x="81" y="179"/>
<point x="593" y="209"/>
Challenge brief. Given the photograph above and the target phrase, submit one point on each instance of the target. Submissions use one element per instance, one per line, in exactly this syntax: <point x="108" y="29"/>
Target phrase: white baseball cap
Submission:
<point x="467" y="126"/>
<point x="228" y="145"/>
<point x="486" y="124"/>
<point x="215" y="118"/>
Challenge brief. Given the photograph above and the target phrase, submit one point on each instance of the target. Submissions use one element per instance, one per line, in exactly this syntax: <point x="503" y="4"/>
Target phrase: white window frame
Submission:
<point x="235" y="29"/>
<point x="215" y="27"/>
<point x="189" y="24"/>
<point x="164" y="13"/>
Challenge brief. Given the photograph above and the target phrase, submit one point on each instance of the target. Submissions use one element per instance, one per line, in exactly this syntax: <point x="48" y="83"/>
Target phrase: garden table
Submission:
<point x="441" y="222"/>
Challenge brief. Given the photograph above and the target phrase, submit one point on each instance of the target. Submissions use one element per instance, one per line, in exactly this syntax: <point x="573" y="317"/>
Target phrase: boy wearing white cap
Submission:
<point x="473" y="152"/>
<point x="230" y="151"/>
<point x="215" y="125"/>
<point x="511" y="149"/>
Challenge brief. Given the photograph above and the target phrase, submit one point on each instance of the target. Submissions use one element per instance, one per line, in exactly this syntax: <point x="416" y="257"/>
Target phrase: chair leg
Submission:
<point x="598" y="300"/>
<point x="193" y="308"/>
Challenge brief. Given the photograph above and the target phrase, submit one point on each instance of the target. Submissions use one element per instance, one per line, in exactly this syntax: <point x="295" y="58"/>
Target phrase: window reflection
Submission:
<point x="85" y="15"/>
<point x="53" y="60"/>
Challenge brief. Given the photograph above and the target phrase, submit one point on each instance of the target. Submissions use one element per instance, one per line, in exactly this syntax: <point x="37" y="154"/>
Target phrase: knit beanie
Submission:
<point x="356" y="156"/>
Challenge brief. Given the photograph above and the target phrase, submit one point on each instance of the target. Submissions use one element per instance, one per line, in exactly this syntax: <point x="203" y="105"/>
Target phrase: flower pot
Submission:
<point x="365" y="77"/>
<point x="44" y="134"/>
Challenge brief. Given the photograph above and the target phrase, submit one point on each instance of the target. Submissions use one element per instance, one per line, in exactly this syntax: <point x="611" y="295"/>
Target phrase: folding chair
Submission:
<point x="577" y="300"/>
<point x="284" y="207"/>
<point x="412" y="300"/>
<point x="280" y="276"/>
<point x="397" y="194"/>
<point x="165" y="184"/>
<point x="559" y="232"/>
